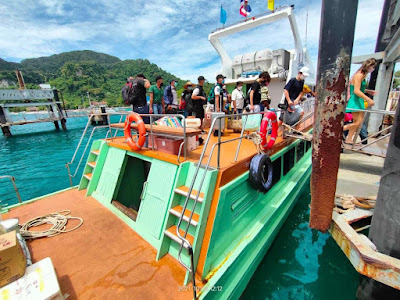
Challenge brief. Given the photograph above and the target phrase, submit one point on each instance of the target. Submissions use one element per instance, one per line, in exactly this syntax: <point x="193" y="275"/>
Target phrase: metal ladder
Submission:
<point x="68" y="164"/>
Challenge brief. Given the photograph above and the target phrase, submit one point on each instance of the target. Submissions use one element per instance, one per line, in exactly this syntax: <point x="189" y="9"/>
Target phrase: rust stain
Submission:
<point x="372" y="267"/>
<point x="327" y="134"/>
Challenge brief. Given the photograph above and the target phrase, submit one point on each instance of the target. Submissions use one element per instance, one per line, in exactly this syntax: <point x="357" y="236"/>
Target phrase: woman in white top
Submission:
<point x="238" y="98"/>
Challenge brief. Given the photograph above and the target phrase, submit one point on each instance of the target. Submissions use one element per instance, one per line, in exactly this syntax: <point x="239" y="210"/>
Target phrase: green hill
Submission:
<point x="77" y="72"/>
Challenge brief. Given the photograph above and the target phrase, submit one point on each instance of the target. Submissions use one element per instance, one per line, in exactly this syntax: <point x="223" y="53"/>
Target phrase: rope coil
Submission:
<point x="58" y="220"/>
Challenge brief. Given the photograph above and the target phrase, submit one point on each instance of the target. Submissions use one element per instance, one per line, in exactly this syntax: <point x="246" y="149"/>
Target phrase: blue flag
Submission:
<point x="222" y="18"/>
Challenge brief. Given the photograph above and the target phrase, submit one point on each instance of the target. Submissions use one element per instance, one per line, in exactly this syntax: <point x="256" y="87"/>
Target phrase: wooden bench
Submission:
<point x="177" y="131"/>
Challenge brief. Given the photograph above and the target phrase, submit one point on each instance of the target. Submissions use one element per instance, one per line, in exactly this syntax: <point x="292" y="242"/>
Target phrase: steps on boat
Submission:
<point x="194" y="217"/>
<point x="92" y="170"/>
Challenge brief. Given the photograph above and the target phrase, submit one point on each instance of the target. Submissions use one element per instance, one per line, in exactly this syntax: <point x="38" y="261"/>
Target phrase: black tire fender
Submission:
<point x="261" y="173"/>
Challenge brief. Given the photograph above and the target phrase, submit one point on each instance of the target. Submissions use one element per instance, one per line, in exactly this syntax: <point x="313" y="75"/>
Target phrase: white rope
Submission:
<point x="58" y="219"/>
<point x="257" y="142"/>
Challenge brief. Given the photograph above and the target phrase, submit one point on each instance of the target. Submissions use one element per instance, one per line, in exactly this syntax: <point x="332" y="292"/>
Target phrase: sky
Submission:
<point x="172" y="34"/>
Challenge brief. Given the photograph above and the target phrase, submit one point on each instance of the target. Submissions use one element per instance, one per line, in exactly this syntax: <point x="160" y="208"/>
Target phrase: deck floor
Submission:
<point x="104" y="258"/>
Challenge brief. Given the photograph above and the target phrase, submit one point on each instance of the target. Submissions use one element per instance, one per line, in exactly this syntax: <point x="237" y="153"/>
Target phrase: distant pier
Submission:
<point x="31" y="98"/>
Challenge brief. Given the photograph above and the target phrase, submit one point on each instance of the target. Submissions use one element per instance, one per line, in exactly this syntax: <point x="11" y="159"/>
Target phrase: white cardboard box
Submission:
<point x="39" y="283"/>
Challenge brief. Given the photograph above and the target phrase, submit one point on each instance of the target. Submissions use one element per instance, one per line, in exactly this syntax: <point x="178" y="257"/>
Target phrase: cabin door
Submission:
<point x="155" y="197"/>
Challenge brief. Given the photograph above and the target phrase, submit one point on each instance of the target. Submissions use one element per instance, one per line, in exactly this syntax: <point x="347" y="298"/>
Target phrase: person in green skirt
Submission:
<point x="357" y="97"/>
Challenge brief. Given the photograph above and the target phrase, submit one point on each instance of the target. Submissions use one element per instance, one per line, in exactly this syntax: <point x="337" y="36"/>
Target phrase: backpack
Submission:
<point x="247" y="99"/>
<point x="130" y="92"/>
<point x="211" y="95"/>
<point x="187" y="98"/>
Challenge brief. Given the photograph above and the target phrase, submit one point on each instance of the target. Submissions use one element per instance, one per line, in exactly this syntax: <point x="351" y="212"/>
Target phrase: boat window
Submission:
<point x="308" y="145"/>
<point x="129" y="189"/>
<point x="288" y="160"/>
<point x="300" y="150"/>
<point x="276" y="167"/>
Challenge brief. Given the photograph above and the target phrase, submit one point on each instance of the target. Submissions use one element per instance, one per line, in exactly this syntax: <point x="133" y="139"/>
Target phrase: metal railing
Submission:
<point x="380" y="135"/>
<point x="183" y="238"/>
<point x="12" y="178"/>
<point x="68" y="164"/>
<point x="110" y="132"/>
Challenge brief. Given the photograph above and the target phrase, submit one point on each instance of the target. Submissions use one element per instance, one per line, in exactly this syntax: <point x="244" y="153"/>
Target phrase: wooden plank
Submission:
<point x="184" y="190"/>
<point x="171" y="233"/>
<point x="177" y="211"/>
<point x="162" y="129"/>
<point x="129" y="212"/>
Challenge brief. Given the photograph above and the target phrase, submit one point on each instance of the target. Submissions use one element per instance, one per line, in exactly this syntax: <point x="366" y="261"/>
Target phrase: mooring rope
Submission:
<point x="58" y="219"/>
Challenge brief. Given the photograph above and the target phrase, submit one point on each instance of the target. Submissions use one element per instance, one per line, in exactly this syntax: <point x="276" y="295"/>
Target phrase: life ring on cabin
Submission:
<point x="268" y="116"/>
<point x="134" y="117"/>
<point x="261" y="173"/>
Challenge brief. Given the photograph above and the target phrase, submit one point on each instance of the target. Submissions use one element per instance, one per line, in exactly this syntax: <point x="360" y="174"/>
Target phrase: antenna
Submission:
<point x="305" y="42"/>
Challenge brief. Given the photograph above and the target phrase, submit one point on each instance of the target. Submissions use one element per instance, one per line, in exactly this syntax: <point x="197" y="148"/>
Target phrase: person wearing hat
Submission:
<point x="199" y="98"/>
<point x="171" y="98"/>
<point x="156" y="97"/>
<point x="186" y="103"/>
<point x="293" y="92"/>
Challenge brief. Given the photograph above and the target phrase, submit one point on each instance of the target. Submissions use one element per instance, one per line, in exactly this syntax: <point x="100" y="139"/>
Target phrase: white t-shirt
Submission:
<point x="175" y="97"/>
<point x="217" y="90"/>
<point x="239" y="98"/>
<point x="196" y="91"/>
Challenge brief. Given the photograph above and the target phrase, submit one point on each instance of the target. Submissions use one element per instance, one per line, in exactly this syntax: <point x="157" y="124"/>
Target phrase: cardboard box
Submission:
<point x="12" y="259"/>
<point x="39" y="283"/>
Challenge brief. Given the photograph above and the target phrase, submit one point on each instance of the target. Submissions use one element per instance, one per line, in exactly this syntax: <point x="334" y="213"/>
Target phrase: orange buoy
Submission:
<point x="268" y="116"/>
<point x="134" y="117"/>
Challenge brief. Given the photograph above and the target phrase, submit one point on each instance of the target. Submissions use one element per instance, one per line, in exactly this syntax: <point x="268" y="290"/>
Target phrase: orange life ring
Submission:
<point x="268" y="116"/>
<point x="134" y="117"/>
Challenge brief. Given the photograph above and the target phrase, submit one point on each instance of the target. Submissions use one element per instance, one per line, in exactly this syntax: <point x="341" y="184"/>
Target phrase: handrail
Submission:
<point x="183" y="238"/>
<point x="88" y="142"/>
<point x="356" y="134"/>
<point x="12" y="178"/>
<point x="122" y="114"/>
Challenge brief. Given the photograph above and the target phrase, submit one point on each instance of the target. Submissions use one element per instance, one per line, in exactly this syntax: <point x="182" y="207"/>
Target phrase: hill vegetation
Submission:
<point x="82" y="74"/>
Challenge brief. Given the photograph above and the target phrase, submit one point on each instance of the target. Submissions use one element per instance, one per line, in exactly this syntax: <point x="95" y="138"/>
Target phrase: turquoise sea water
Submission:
<point x="301" y="263"/>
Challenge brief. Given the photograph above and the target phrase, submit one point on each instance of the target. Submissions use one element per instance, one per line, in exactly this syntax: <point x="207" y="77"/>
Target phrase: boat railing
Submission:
<point x="377" y="136"/>
<point x="110" y="134"/>
<point x="78" y="147"/>
<point x="12" y="178"/>
<point x="218" y="144"/>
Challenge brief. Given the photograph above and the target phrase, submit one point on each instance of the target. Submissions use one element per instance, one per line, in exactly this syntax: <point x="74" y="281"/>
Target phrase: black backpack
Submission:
<point x="131" y="92"/>
<point x="187" y="97"/>
<point x="247" y="99"/>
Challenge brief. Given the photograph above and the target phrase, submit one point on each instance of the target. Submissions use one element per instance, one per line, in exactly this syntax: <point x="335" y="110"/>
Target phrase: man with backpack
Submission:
<point x="186" y="103"/>
<point x="171" y="98"/>
<point x="199" y="99"/>
<point x="218" y="94"/>
<point x="255" y="94"/>
<point x="134" y="93"/>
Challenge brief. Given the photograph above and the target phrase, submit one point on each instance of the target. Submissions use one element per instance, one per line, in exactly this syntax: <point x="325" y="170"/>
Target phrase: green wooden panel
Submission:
<point x="110" y="174"/>
<point x="239" y="206"/>
<point x="154" y="207"/>
<point x="100" y="160"/>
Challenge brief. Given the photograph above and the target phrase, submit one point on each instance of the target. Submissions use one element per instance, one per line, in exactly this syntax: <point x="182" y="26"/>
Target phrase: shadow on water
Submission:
<point x="303" y="263"/>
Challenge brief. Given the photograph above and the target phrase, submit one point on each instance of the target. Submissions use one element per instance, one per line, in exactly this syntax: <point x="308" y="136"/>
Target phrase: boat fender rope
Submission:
<point x="134" y="117"/>
<point x="261" y="172"/>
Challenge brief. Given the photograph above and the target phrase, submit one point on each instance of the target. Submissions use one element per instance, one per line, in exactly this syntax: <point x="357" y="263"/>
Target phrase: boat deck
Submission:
<point x="104" y="258"/>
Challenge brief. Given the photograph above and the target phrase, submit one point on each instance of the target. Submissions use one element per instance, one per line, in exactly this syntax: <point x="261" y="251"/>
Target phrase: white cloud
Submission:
<point x="172" y="34"/>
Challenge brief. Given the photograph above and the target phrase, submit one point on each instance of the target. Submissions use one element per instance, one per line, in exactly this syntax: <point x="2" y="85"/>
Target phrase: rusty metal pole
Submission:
<point x="338" y="18"/>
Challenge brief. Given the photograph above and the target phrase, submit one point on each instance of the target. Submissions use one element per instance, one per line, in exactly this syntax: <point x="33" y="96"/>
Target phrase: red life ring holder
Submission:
<point x="134" y="117"/>
<point x="268" y="116"/>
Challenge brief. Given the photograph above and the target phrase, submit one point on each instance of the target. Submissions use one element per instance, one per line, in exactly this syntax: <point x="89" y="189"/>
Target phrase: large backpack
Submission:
<point x="131" y="92"/>
<point x="187" y="97"/>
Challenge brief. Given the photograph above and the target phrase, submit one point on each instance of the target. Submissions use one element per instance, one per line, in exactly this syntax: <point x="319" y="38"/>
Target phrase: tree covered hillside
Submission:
<point x="78" y="73"/>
